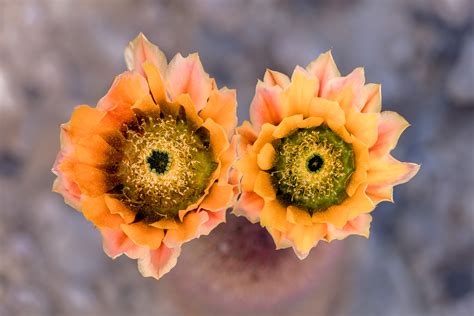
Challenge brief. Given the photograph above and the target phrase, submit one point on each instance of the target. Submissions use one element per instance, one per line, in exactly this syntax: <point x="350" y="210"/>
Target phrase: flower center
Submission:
<point x="312" y="168"/>
<point x="159" y="161"/>
<point x="167" y="166"/>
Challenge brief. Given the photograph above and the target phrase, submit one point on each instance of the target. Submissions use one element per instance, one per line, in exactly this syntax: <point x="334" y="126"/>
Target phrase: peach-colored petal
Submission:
<point x="249" y="168"/>
<point x="357" y="226"/>
<point x="266" y="106"/>
<point x="363" y="126"/>
<point x="275" y="78"/>
<point x="93" y="181"/>
<point x="95" y="151"/>
<point x="372" y="95"/>
<point x="215" y="218"/>
<point x="391" y="125"/>
<point x="247" y="133"/>
<point x="69" y="190"/>
<point x="184" y="101"/>
<point x="186" y="230"/>
<point x="306" y="237"/>
<point x="165" y="224"/>
<point x="220" y="196"/>
<point x="265" y="136"/>
<point x="273" y="215"/>
<point x="143" y="234"/>
<point x="327" y="110"/>
<point x="297" y="97"/>
<point x="324" y="68"/>
<point x="347" y="91"/>
<point x="117" y="207"/>
<point x="155" y="82"/>
<point x="95" y="210"/>
<point x="126" y="89"/>
<point x="266" y="156"/>
<point x="295" y="215"/>
<point x="187" y="76"/>
<point x="222" y="107"/>
<point x="379" y="193"/>
<point x="227" y="159"/>
<point x="158" y="262"/>
<point x="361" y="165"/>
<point x="140" y="50"/>
<point x="280" y="239"/>
<point x="310" y="122"/>
<point x="250" y="205"/>
<point x="116" y="243"/>
<point x="264" y="187"/>
<point x="287" y="125"/>
<point x="389" y="171"/>
<point x="219" y="142"/>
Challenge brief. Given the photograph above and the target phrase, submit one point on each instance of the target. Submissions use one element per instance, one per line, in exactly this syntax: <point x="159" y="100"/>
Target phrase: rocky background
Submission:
<point x="419" y="260"/>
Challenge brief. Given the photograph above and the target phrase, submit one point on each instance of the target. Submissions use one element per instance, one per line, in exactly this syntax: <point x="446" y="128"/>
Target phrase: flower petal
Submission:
<point x="93" y="181"/>
<point x="273" y="215"/>
<point x="357" y="226"/>
<point x="275" y="78"/>
<point x="187" y="76"/>
<point x="265" y="136"/>
<point x="324" y="68"/>
<point x="220" y="196"/>
<point x="264" y="187"/>
<point x="249" y="168"/>
<point x="186" y="230"/>
<point x="327" y="110"/>
<point x="95" y="210"/>
<point x="143" y="234"/>
<point x="250" y="205"/>
<point x="391" y="125"/>
<point x="363" y="125"/>
<point x="116" y="243"/>
<point x="306" y="237"/>
<point x="266" y="106"/>
<point x="140" y="50"/>
<point x="158" y="262"/>
<point x="295" y="215"/>
<point x="389" y="171"/>
<point x="222" y="107"/>
<point x="297" y="97"/>
<point x="117" y="207"/>
<point x="266" y="157"/>
<point x="361" y="153"/>
<point x="215" y="218"/>
<point x="380" y="193"/>
<point x="155" y="82"/>
<point x="287" y="125"/>
<point x="219" y="142"/>
<point x="372" y="95"/>
<point x="347" y="91"/>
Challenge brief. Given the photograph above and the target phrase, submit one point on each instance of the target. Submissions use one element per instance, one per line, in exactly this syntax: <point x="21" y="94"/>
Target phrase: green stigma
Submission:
<point x="167" y="165"/>
<point x="312" y="168"/>
<point x="159" y="161"/>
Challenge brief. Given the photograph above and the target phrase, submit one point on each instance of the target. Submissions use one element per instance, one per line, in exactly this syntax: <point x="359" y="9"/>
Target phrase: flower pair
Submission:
<point x="157" y="162"/>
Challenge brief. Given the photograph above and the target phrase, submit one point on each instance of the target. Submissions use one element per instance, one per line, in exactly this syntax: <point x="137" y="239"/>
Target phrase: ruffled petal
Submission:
<point x="116" y="243"/>
<point x="287" y="125"/>
<point x="363" y="126"/>
<point x="222" y="107"/>
<point x="158" y="262"/>
<point x="390" y="126"/>
<point x="215" y="218"/>
<point x="266" y="156"/>
<point x="372" y="95"/>
<point x="155" y="82"/>
<point x="357" y="226"/>
<point x="187" y="76"/>
<point x="389" y="171"/>
<point x="328" y="110"/>
<point x="220" y="196"/>
<point x="275" y="78"/>
<point x="264" y="187"/>
<point x="306" y="237"/>
<point x="324" y="68"/>
<point x="273" y="215"/>
<point x="140" y="50"/>
<point x="186" y="230"/>
<point x="143" y="234"/>
<point x="117" y="207"/>
<point x="295" y="215"/>
<point x="95" y="210"/>
<point x="266" y="106"/>
<point x="297" y="97"/>
<point x="347" y="91"/>
<point x="249" y="205"/>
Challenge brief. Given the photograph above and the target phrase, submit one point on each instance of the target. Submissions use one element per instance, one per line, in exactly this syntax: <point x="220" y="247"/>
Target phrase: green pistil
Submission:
<point x="312" y="168"/>
<point x="159" y="161"/>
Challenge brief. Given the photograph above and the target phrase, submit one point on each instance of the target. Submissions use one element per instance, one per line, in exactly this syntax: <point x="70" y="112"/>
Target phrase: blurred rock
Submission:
<point x="460" y="84"/>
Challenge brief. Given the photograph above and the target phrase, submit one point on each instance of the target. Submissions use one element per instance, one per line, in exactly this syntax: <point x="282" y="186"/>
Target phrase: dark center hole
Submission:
<point x="315" y="163"/>
<point x="159" y="161"/>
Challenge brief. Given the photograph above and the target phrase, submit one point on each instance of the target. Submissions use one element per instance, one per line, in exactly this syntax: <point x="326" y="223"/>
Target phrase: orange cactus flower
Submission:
<point x="149" y="165"/>
<point x="315" y="159"/>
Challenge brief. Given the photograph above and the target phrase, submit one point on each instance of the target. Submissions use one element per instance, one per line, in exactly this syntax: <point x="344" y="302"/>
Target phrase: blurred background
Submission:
<point x="419" y="260"/>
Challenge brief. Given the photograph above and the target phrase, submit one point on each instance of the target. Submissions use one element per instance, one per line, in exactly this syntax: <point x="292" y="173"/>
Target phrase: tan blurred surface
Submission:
<point x="57" y="54"/>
